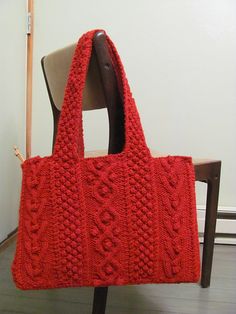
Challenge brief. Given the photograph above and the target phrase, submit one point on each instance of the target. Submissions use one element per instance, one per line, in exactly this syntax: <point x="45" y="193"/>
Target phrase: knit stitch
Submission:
<point x="125" y="218"/>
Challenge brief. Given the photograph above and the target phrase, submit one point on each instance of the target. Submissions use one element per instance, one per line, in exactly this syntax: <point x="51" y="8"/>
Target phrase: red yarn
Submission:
<point x="125" y="218"/>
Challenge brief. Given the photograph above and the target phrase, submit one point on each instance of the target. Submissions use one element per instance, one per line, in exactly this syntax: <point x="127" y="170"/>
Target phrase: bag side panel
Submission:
<point x="32" y="267"/>
<point x="179" y="245"/>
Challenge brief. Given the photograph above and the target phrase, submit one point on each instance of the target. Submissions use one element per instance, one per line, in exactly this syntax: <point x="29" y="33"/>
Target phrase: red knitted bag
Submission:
<point x="125" y="218"/>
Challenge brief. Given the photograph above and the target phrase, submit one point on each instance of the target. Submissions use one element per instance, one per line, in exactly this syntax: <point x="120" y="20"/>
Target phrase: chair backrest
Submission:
<point x="56" y="67"/>
<point x="101" y="88"/>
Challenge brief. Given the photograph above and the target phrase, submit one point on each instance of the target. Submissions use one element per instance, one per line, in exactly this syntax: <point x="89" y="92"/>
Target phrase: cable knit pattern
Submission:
<point x="174" y="177"/>
<point x="105" y="222"/>
<point x="125" y="218"/>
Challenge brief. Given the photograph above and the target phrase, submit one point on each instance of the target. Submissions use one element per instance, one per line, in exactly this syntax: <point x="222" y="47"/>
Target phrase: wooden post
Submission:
<point x="30" y="30"/>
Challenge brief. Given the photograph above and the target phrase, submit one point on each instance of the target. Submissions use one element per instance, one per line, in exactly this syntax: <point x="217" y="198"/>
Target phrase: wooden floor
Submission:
<point x="144" y="299"/>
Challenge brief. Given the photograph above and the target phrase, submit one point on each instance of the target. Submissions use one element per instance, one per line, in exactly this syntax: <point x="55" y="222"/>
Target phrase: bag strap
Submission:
<point x="69" y="144"/>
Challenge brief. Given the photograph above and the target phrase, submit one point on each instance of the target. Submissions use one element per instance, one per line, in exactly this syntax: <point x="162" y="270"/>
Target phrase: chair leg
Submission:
<point x="99" y="300"/>
<point x="210" y="224"/>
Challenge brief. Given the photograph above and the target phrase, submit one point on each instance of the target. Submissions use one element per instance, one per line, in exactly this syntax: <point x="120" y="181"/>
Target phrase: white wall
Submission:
<point x="12" y="95"/>
<point x="180" y="60"/>
<point x="181" y="64"/>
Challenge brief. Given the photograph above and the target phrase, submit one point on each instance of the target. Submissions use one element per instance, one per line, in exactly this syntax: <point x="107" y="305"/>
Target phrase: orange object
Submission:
<point x="30" y="30"/>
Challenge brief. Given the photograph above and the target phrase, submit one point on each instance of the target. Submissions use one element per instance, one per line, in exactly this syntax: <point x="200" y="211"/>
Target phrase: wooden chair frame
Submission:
<point x="207" y="171"/>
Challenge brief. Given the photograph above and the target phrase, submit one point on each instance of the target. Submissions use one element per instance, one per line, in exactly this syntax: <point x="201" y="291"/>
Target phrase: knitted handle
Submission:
<point x="69" y="140"/>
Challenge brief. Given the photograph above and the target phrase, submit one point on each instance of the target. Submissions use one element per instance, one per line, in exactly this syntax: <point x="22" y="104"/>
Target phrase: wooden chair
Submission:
<point x="100" y="91"/>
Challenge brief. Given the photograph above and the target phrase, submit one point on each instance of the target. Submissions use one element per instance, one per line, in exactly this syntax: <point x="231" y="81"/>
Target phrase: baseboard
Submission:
<point x="225" y="228"/>
<point x="10" y="239"/>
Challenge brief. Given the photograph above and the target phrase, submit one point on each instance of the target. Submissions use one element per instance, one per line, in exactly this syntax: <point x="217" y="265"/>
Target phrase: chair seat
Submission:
<point x="196" y="161"/>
